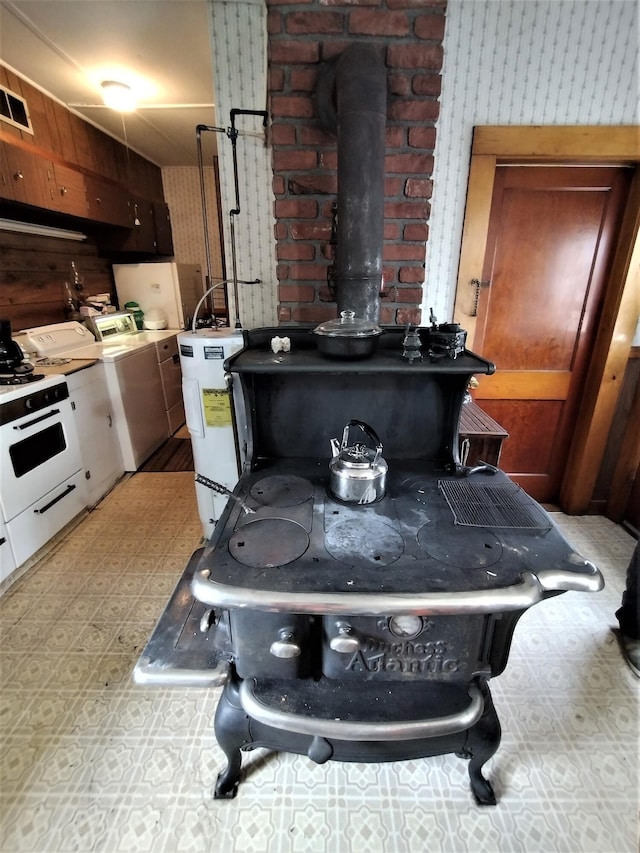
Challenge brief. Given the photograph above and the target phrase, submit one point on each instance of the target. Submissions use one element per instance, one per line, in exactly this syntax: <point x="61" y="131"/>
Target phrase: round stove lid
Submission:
<point x="268" y="542"/>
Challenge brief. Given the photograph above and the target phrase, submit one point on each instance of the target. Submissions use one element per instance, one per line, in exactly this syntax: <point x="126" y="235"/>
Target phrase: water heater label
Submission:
<point x="187" y="350"/>
<point x="213" y="352"/>
<point x="217" y="407"/>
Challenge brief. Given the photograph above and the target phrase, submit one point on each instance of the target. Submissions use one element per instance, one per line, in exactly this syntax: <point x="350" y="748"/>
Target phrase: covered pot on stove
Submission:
<point x="348" y="336"/>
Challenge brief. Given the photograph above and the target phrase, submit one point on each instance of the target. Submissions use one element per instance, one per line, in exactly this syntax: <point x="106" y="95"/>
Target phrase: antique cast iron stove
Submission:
<point x="361" y="632"/>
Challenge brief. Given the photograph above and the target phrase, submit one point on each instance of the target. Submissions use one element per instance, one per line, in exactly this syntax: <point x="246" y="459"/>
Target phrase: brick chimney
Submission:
<point x="303" y="36"/>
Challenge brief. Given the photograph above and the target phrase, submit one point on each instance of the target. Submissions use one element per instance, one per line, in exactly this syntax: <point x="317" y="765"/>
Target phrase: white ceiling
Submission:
<point x="161" y="48"/>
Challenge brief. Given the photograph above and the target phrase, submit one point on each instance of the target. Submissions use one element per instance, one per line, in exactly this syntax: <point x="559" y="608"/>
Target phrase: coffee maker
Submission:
<point x="13" y="368"/>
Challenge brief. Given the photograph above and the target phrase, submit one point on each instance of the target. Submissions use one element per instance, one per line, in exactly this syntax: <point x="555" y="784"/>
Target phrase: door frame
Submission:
<point x="493" y="146"/>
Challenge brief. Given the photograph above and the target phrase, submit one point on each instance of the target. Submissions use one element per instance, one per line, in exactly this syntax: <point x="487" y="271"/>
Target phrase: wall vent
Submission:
<point x="13" y="110"/>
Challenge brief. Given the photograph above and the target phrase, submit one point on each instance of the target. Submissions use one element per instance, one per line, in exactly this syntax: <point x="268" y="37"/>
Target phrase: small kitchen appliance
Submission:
<point x="14" y="369"/>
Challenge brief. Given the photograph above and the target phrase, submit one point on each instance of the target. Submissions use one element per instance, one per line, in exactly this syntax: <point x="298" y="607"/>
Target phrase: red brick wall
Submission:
<point x="301" y="36"/>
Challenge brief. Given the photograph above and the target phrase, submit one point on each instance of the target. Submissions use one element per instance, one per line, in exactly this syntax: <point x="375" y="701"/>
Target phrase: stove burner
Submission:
<point x="268" y="542"/>
<point x="367" y="542"/>
<point x="477" y="549"/>
<point x="19" y="378"/>
<point x="281" y="491"/>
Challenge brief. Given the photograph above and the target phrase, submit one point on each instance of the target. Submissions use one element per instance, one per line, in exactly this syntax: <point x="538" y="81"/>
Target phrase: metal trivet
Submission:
<point x="504" y="505"/>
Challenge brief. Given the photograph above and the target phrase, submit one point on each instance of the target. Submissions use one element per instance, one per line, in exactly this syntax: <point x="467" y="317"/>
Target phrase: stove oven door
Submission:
<point x="39" y="451"/>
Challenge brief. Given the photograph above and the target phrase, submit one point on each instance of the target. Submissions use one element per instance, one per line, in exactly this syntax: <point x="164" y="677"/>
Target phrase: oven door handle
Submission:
<point x="361" y="730"/>
<point x="53" y="502"/>
<point x="50" y="414"/>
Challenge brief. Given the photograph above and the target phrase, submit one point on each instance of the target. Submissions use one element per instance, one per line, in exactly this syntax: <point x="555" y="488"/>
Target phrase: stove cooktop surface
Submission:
<point x="291" y="535"/>
<point x="15" y="391"/>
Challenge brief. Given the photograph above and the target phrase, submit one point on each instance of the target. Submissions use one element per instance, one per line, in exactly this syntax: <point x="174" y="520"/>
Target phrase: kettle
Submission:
<point x="358" y="473"/>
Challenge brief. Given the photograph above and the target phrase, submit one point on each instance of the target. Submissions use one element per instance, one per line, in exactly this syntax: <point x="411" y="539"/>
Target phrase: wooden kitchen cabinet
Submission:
<point x="106" y="202"/>
<point x="6" y="186"/>
<point x="67" y="188"/>
<point x="162" y="222"/>
<point x="140" y="238"/>
<point x="70" y="167"/>
<point x="30" y="177"/>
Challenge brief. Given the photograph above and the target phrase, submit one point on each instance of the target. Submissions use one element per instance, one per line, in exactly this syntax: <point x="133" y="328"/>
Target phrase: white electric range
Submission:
<point x="42" y="480"/>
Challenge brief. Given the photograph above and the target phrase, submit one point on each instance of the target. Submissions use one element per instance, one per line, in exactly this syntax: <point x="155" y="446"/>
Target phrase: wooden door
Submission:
<point x="552" y="233"/>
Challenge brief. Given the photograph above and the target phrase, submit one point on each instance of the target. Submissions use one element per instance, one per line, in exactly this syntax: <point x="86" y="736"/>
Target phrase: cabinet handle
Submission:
<point x="37" y="420"/>
<point x="66" y="492"/>
<point x="18" y="176"/>
<point x="63" y="190"/>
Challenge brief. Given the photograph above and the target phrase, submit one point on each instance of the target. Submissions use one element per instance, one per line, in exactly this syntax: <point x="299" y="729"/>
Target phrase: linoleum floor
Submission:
<point x="91" y="762"/>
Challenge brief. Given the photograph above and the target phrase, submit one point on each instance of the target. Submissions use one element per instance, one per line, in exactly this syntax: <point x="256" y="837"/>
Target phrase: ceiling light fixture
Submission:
<point x="118" y="96"/>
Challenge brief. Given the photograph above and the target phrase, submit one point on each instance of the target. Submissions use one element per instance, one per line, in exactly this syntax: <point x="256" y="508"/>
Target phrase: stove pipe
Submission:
<point x="361" y="97"/>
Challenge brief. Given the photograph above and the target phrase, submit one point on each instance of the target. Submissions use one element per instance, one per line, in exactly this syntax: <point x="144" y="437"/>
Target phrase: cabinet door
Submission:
<point x="7" y="561"/>
<point x="6" y="184"/>
<point x="106" y="202"/>
<point x="171" y="381"/>
<point x="68" y="191"/>
<point x="99" y="445"/>
<point x="143" y="233"/>
<point x="164" y="236"/>
<point x="30" y="176"/>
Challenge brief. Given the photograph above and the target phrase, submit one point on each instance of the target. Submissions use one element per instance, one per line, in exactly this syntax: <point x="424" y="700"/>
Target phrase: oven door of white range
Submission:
<point x="39" y="451"/>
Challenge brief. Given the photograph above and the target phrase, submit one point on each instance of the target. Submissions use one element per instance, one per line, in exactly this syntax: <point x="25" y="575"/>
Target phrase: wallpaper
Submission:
<point x="506" y="62"/>
<point x="511" y="62"/>
<point x="240" y="82"/>
<point x="182" y="192"/>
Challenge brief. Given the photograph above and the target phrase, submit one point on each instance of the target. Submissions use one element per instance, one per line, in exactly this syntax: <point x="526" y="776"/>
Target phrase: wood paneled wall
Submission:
<point x="33" y="270"/>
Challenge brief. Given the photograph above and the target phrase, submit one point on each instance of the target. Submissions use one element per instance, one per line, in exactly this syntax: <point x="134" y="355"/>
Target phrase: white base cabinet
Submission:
<point x="7" y="561"/>
<point x="99" y="446"/>
<point x="171" y="374"/>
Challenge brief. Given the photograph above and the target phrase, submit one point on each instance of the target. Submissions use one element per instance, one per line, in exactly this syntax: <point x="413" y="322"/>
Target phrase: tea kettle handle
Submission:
<point x="368" y="431"/>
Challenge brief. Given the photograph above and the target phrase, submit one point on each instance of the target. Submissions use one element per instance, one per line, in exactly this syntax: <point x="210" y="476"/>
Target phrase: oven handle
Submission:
<point x="38" y="420"/>
<point x="361" y="730"/>
<point x="48" y="506"/>
<point x="476" y="601"/>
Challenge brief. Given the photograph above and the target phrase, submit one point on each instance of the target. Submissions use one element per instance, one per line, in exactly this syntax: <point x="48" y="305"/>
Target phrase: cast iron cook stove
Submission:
<point x="363" y="633"/>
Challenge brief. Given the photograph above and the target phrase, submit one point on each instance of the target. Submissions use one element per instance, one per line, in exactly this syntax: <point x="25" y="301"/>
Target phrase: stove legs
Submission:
<point x="482" y="742"/>
<point x="236" y="731"/>
<point x="232" y="732"/>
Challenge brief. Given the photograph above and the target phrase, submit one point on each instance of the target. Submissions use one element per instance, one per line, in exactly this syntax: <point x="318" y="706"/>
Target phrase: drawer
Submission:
<point x="167" y="349"/>
<point x="171" y="381"/>
<point x="176" y="417"/>
<point x="33" y="528"/>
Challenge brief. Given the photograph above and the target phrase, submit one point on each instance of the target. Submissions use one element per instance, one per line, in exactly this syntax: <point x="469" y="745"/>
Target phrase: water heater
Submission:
<point x="214" y="415"/>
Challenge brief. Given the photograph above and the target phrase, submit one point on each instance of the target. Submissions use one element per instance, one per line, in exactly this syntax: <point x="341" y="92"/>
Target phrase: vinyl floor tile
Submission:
<point x="91" y="762"/>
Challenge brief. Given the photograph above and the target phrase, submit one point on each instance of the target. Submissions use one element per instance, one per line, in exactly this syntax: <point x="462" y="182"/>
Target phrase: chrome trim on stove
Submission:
<point x="556" y="579"/>
<point x="154" y="673"/>
<point x="517" y="597"/>
<point x="361" y="730"/>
